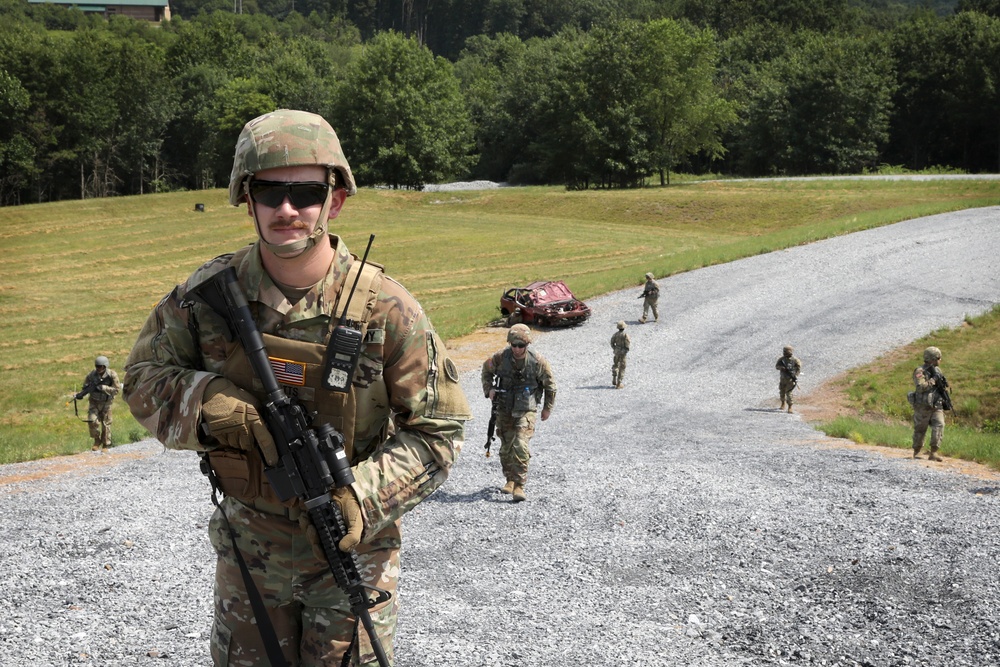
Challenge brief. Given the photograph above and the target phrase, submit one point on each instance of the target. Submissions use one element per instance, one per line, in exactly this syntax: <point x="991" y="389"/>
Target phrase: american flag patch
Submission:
<point x="289" y="372"/>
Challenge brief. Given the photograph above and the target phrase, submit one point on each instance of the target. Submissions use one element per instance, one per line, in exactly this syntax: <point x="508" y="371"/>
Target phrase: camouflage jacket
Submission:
<point x="403" y="375"/>
<point x="525" y="383"/>
<point x="620" y="342"/>
<point x="790" y="367"/>
<point x="651" y="291"/>
<point x="926" y="392"/>
<point x="104" y="387"/>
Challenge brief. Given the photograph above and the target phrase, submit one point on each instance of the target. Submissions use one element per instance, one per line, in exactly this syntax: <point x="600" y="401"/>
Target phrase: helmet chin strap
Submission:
<point x="295" y="248"/>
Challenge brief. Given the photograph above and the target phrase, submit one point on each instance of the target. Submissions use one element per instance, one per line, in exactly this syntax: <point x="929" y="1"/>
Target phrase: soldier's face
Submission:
<point x="518" y="349"/>
<point x="287" y="222"/>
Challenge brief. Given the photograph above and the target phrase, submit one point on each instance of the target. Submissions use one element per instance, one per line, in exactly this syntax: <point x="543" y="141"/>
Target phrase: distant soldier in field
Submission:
<point x="525" y="381"/>
<point x="101" y="385"/>
<point x="650" y="295"/>
<point x="790" y="367"/>
<point x="620" y="343"/>
<point x="929" y="399"/>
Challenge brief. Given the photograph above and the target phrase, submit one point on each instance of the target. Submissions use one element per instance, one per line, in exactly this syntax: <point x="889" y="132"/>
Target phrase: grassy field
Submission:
<point x="81" y="276"/>
<point x="970" y="360"/>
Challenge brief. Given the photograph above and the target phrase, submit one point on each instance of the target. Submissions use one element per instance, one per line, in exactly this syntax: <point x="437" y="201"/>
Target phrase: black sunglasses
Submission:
<point x="518" y="345"/>
<point x="302" y="195"/>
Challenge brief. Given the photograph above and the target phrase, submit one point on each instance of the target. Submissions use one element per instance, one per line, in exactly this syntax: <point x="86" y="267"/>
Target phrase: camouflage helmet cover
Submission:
<point x="101" y="361"/>
<point x="286" y="138"/>
<point x="519" y="333"/>
<point x="787" y="350"/>
<point x="649" y="276"/>
<point x="931" y="354"/>
<point x="621" y="325"/>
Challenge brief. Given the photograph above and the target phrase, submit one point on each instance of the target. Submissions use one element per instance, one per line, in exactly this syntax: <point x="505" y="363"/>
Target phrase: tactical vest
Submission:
<point x="521" y="387"/>
<point x="928" y="398"/>
<point x="241" y="473"/>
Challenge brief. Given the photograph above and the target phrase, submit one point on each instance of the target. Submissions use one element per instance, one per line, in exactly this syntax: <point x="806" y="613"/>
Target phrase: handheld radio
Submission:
<point x="344" y="348"/>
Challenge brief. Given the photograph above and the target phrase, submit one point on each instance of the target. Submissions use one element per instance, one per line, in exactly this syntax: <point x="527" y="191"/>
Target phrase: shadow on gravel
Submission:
<point x="763" y="410"/>
<point x="490" y="494"/>
<point x="986" y="490"/>
<point x="596" y="387"/>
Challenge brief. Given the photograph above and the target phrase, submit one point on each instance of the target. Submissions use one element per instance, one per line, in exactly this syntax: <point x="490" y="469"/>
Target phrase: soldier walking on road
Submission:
<point x="790" y="368"/>
<point x="400" y="410"/>
<point x="525" y="381"/>
<point x="101" y="385"/>
<point x="650" y="295"/>
<point x="929" y="399"/>
<point x="620" y="343"/>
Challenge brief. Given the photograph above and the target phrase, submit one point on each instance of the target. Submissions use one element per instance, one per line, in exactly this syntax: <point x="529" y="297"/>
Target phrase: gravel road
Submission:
<point x="682" y="520"/>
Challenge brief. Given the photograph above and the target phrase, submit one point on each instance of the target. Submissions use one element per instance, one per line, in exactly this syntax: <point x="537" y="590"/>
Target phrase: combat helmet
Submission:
<point x="289" y="138"/>
<point x="931" y="354"/>
<point x="649" y="276"/>
<point x="621" y="325"/>
<point x="101" y="361"/>
<point x="787" y="350"/>
<point x="519" y="333"/>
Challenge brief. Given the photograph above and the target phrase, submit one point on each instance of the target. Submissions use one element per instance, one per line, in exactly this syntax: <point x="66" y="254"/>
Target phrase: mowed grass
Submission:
<point x="881" y="415"/>
<point x="80" y="277"/>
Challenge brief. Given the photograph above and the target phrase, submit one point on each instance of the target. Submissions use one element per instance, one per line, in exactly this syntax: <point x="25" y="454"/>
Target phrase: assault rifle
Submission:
<point x="311" y="460"/>
<point x="941" y="386"/>
<point x="787" y="372"/>
<point x="491" y="428"/>
<point x="90" y="387"/>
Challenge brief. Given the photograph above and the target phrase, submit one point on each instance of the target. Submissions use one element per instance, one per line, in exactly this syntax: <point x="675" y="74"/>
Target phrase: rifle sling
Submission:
<point x="267" y="633"/>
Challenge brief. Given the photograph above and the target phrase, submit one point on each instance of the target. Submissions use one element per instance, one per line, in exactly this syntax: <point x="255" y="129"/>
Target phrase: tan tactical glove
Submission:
<point x="350" y="510"/>
<point x="231" y="416"/>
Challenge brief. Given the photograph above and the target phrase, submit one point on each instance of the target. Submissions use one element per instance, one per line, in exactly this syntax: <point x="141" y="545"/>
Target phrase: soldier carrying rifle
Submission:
<point x="930" y="398"/>
<point x="101" y="385"/>
<point x="790" y="367"/>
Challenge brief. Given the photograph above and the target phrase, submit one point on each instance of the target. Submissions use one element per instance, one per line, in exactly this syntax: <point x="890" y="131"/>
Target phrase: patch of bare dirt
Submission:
<point x="84" y="463"/>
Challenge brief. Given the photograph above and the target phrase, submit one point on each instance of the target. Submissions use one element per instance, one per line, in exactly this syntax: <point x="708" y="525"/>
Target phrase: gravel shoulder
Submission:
<point x="681" y="520"/>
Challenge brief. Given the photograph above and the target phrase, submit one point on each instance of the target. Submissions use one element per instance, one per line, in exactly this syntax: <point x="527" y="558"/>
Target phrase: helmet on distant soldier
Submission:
<point x="931" y="354"/>
<point x="519" y="333"/>
<point x="101" y="361"/>
<point x="621" y="326"/>
<point x="287" y="138"/>
<point x="649" y="276"/>
<point x="787" y="350"/>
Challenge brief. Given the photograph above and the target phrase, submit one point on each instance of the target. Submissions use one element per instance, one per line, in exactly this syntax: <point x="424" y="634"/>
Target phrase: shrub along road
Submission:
<point x="682" y="520"/>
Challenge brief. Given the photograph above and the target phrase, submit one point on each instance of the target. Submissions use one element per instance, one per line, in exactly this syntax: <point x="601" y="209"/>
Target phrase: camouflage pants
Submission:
<point x="515" y="433"/>
<point x="99" y="422"/>
<point x="618" y="368"/>
<point x="924" y="416"/>
<point x="785" y="388"/>
<point x="310" y="614"/>
<point x="647" y="305"/>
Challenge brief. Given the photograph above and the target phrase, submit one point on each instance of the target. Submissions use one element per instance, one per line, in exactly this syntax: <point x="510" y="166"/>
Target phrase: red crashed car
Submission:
<point x="546" y="303"/>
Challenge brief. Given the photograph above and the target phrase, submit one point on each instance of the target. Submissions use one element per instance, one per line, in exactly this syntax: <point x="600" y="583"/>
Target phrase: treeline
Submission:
<point x="598" y="93"/>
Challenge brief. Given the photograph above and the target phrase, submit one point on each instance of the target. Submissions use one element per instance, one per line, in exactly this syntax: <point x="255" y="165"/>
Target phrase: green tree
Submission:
<point x="822" y="107"/>
<point x="405" y="122"/>
<point x="17" y="155"/>
<point x="947" y="108"/>
<point x="681" y="103"/>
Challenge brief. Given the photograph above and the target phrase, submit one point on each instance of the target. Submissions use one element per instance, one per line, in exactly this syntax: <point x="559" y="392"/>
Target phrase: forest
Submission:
<point x="580" y="93"/>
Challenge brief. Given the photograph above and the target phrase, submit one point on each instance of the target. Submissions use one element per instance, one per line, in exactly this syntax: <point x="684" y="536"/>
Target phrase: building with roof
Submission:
<point x="142" y="10"/>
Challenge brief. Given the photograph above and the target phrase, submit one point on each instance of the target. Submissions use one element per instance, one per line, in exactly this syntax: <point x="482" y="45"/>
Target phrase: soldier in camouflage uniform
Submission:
<point x="928" y="404"/>
<point x="402" y="419"/>
<point x="101" y="385"/>
<point x="650" y="295"/>
<point x="620" y="343"/>
<point x="790" y="367"/>
<point x="525" y="381"/>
